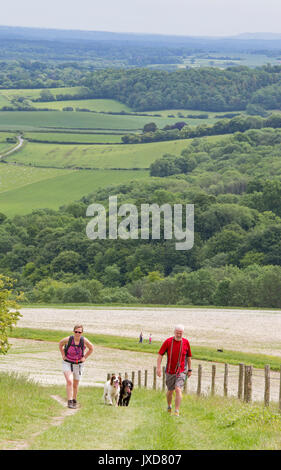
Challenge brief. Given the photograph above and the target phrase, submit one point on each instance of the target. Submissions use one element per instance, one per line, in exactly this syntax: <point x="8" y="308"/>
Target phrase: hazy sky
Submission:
<point x="181" y="17"/>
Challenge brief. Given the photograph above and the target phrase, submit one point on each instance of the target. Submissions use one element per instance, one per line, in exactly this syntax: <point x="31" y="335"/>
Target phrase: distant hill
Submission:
<point x="259" y="36"/>
<point x="227" y="42"/>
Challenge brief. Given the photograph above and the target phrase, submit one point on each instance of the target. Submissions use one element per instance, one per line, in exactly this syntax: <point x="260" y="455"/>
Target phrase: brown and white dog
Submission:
<point x="112" y="390"/>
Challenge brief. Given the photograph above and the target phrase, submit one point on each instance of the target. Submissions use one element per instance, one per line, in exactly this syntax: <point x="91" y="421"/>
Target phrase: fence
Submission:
<point x="244" y="382"/>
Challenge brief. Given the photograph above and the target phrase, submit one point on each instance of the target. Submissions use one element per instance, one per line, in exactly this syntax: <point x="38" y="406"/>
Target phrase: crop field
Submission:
<point x="5" y="135"/>
<point x="80" y="137"/>
<point x="99" y="156"/>
<point x="31" y="94"/>
<point x="5" y="146"/>
<point x="51" y="188"/>
<point x="29" y="120"/>
<point x="14" y="177"/>
<point x="98" y="105"/>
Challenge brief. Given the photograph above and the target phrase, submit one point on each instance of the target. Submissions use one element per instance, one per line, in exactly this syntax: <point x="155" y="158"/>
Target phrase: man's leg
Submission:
<point x="178" y="398"/>
<point x="169" y="398"/>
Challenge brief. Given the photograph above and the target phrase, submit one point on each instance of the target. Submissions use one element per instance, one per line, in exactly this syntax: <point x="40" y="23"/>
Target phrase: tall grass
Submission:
<point x="24" y="406"/>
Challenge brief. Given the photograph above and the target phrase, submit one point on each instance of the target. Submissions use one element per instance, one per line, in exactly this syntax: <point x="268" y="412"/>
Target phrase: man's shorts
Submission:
<point x="174" y="380"/>
<point x="77" y="369"/>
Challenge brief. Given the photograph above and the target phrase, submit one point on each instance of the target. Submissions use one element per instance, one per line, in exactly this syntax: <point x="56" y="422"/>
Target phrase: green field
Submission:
<point x="4" y="147"/>
<point x="98" y="105"/>
<point x="130" y="156"/>
<point x="13" y="177"/>
<point x="34" y="93"/>
<point x="31" y="120"/>
<point x="80" y="137"/>
<point x="95" y="156"/>
<point x="58" y="189"/>
<point x="5" y="135"/>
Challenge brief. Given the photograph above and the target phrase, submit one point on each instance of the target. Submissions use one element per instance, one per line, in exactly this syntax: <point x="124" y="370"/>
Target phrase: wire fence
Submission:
<point x="244" y="381"/>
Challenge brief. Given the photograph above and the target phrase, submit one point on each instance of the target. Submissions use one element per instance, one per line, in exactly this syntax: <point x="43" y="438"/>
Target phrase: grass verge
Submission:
<point x="24" y="407"/>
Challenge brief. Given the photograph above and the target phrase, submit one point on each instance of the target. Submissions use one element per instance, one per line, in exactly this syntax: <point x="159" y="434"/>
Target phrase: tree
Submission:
<point x="8" y="318"/>
<point x="150" y="127"/>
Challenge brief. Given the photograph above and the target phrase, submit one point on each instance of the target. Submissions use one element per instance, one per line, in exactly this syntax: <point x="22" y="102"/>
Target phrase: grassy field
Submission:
<point x="98" y="105"/>
<point x="28" y="414"/>
<point x="57" y="188"/>
<point x="80" y="138"/>
<point x="30" y="120"/>
<point x="4" y="147"/>
<point x="129" y="344"/>
<point x="13" y="177"/>
<point x="34" y="93"/>
<point x="100" y="156"/>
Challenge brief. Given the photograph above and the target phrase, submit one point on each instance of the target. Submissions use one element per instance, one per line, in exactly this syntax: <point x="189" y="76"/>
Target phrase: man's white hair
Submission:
<point x="179" y="327"/>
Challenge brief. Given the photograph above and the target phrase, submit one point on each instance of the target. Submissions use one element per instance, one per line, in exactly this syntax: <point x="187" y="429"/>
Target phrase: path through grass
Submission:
<point x="204" y="423"/>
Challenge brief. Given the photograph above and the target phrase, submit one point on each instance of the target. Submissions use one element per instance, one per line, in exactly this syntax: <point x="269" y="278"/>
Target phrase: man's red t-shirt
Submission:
<point x="172" y="361"/>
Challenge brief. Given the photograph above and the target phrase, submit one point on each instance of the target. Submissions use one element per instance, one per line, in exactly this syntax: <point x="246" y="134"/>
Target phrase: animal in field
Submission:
<point x="112" y="390"/>
<point x="125" y="392"/>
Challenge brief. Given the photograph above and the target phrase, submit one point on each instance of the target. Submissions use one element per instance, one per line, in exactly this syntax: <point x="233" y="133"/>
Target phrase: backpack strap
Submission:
<point x="82" y="345"/>
<point x="67" y="346"/>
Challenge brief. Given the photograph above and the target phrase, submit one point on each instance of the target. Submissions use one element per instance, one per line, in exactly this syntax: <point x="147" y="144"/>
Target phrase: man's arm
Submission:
<point x="159" y="360"/>
<point x="189" y="372"/>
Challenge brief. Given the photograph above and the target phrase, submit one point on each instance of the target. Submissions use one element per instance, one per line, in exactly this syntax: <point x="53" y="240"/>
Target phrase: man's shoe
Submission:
<point x="70" y="404"/>
<point x="176" y="413"/>
<point x="169" y="409"/>
<point x="74" y="402"/>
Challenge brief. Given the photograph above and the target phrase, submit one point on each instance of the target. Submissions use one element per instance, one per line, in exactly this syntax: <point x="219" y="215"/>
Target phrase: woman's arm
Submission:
<point x="61" y="346"/>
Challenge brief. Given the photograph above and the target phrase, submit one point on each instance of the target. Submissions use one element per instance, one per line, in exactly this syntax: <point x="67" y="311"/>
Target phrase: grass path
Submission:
<point x="145" y="424"/>
<point x="25" y="444"/>
<point x="34" y="417"/>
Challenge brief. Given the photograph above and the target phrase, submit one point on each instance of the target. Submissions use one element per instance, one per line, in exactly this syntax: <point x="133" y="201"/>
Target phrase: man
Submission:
<point x="72" y="350"/>
<point x="179" y="359"/>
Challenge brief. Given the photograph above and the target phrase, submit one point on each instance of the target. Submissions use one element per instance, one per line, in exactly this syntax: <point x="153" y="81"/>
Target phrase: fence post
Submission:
<point x="248" y="384"/>
<point x="154" y="378"/>
<point x="240" y="381"/>
<point x="145" y="378"/>
<point x="225" y="383"/>
<point x="199" y="380"/>
<point x="139" y="379"/>
<point x="126" y="375"/>
<point x="133" y="377"/>
<point x="213" y="379"/>
<point x="108" y="376"/>
<point x="280" y="392"/>
<point x="163" y="379"/>
<point x="266" y="385"/>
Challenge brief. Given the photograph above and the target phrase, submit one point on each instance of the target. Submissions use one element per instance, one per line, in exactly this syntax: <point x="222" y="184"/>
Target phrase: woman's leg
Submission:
<point x="75" y="388"/>
<point x="69" y="384"/>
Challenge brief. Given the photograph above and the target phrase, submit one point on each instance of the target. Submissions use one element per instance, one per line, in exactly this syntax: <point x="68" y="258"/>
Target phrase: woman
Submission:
<point x="72" y="349"/>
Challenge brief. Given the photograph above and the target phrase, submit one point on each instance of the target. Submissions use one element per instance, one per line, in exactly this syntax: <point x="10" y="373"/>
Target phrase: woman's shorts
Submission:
<point x="174" y="380"/>
<point x="77" y="369"/>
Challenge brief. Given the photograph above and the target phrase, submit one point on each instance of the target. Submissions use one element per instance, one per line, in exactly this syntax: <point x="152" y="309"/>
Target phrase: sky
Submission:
<point x="179" y="17"/>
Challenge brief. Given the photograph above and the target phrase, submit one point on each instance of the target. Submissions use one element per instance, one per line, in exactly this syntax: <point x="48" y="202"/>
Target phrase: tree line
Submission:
<point x="235" y="260"/>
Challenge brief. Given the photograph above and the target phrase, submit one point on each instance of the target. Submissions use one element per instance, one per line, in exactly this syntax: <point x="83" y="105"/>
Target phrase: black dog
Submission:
<point x="125" y="392"/>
